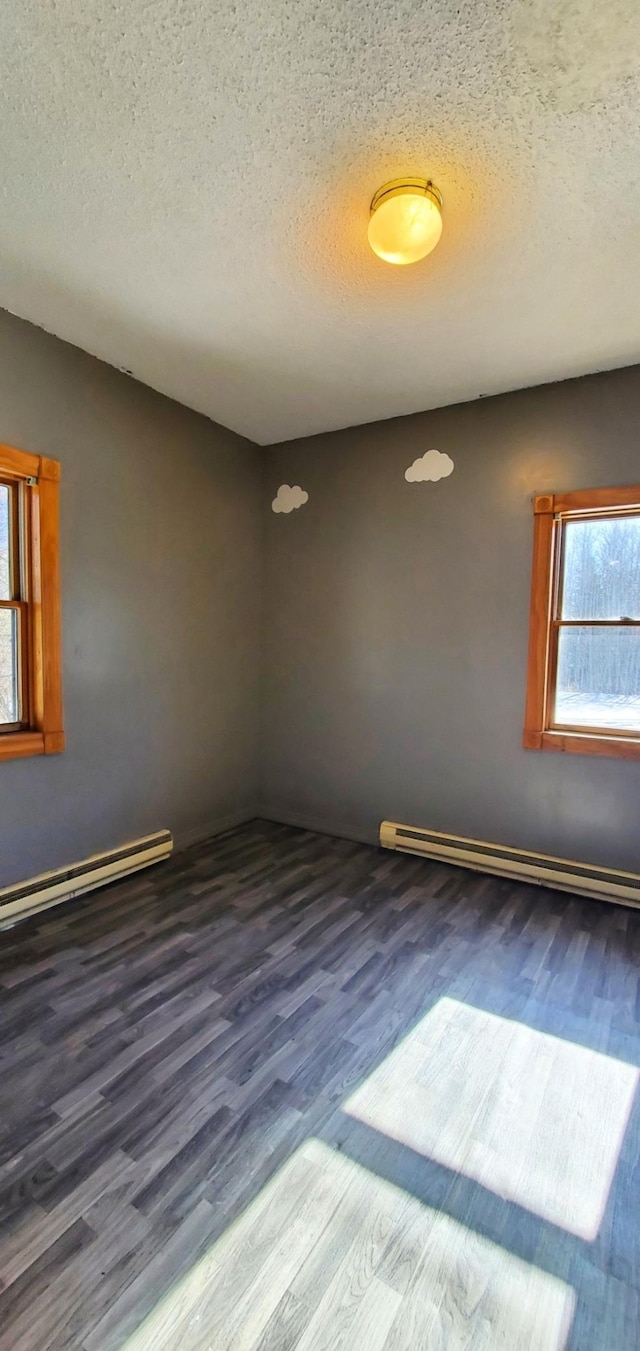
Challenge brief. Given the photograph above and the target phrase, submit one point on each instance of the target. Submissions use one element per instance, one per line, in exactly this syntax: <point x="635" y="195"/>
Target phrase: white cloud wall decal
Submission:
<point x="430" y="467"/>
<point x="289" y="499"/>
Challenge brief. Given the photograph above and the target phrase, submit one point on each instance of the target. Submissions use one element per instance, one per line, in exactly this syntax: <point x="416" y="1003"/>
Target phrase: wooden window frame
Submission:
<point x="36" y="480"/>
<point x="551" y="511"/>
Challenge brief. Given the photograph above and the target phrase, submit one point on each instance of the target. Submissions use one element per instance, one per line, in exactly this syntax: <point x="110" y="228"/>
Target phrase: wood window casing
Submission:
<point x="551" y="512"/>
<point x="33" y="483"/>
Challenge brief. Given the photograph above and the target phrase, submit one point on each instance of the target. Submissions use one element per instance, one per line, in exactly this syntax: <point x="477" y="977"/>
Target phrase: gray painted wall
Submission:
<point x="397" y="623"/>
<point x="161" y="539"/>
<point x="395" y="619"/>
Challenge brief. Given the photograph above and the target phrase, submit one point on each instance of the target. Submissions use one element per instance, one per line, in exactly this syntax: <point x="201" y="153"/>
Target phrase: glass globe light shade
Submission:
<point x="406" y="220"/>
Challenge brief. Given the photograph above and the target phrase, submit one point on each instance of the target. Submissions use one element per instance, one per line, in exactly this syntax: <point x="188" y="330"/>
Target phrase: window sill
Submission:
<point x="581" y="743"/>
<point x="18" y="745"/>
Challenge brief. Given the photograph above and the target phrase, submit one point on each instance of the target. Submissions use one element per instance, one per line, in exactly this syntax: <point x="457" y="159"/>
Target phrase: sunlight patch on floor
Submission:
<point x="536" y="1119"/>
<point x="330" y="1255"/>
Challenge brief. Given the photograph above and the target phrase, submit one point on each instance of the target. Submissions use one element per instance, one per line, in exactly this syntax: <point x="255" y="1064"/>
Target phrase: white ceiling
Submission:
<point x="185" y="190"/>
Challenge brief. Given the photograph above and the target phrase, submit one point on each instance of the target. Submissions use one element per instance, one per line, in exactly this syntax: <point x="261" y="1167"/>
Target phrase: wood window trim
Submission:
<point x="39" y="478"/>
<point x="549" y="510"/>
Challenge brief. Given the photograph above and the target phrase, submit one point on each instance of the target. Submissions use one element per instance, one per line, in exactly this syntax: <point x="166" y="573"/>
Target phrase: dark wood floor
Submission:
<point x="288" y="1091"/>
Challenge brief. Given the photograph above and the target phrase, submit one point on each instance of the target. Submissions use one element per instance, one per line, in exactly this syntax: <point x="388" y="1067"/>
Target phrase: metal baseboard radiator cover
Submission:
<point x="603" y="884"/>
<point x="38" y="893"/>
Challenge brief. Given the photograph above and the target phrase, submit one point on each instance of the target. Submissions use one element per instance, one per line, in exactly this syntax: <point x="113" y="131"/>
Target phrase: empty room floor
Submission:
<point x="287" y="1091"/>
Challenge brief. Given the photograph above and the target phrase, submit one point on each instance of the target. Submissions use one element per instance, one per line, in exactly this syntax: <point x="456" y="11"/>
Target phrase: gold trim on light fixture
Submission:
<point x="416" y="186"/>
<point x="407" y="231"/>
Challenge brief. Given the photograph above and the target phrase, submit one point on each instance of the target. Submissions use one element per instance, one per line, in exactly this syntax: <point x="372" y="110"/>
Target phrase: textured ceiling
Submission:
<point x="185" y="191"/>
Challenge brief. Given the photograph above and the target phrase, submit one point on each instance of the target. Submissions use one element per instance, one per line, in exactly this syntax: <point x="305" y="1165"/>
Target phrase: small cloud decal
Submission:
<point x="289" y="499"/>
<point x="430" y="467"/>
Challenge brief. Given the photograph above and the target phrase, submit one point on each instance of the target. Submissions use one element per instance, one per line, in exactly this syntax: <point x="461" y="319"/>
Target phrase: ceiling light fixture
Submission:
<point x="406" y="220"/>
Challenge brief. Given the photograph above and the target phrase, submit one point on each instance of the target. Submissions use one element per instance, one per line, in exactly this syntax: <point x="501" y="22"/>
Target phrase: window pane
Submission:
<point x="602" y="569"/>
<point x="5" y="571"/>
<point x="9" y="698"/>
<point x="598" y="682"/>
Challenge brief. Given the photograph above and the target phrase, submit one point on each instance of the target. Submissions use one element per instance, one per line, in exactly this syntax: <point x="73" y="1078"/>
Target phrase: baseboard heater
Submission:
<point x="27" y="898"/>
<point x="603" y="884"/>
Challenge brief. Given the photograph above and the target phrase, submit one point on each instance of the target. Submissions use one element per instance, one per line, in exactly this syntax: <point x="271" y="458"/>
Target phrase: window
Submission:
<point x="584" y="640"/>
<point x="30" y="680"/>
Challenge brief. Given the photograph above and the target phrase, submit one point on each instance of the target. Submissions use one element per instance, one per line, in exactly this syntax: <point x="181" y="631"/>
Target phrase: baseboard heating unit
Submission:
<point x="38" y="893"/>
<point x="603" y="884"/>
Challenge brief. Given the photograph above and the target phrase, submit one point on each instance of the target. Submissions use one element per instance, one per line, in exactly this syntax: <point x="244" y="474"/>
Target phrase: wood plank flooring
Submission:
<point x="286" y="1091"/>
